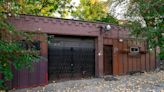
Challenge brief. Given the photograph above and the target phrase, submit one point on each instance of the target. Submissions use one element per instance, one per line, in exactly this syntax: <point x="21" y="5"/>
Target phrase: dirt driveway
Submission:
<point x="145" y="82"/>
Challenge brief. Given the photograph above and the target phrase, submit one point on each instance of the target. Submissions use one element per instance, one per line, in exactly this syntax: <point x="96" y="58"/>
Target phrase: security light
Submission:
<point x="120" y="40"/>
<point x="104" y="28"/>
<point x="107" y="27"/>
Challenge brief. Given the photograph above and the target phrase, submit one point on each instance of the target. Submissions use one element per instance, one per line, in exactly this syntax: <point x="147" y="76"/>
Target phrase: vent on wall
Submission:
<point x="134" y="49"/>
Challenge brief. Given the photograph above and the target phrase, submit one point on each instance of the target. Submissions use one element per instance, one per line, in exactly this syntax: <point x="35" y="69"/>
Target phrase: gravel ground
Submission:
<point x="145" y="82"/>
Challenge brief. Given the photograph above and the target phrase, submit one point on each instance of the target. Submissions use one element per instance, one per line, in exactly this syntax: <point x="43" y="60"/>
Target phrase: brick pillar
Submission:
<point x="100" y="56"/>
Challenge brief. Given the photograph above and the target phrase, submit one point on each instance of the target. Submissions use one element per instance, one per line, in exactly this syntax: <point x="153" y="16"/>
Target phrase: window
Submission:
<point x="134" y="49"/>
<point x="34" y="45"/>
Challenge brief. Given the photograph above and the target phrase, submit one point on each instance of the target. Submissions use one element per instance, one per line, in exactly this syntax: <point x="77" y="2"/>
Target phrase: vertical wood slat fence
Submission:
<point x="30" y="78"/>
<point x="124" y="63"/>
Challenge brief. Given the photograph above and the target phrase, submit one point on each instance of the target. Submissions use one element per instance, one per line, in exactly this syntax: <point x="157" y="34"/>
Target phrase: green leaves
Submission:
<point x="11" y="54"/>
<point x="90" y="11"/>
<point x="109" y="19"/>
<point x="152" y="13"/>
<point x="36" y="7"/>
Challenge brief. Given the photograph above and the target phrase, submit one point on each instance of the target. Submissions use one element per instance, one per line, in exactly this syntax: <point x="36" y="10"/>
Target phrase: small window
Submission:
<point x="34" y="45"/>
<point x="134" y="49"/>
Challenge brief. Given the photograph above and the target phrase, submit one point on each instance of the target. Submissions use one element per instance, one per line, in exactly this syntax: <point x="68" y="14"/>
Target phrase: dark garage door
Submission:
<point x="71" y="58"/>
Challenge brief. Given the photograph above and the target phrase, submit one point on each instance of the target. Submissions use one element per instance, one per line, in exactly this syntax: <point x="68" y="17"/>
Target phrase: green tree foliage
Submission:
<point x="88" y="10"/>
<point x="11" y="51"/>
<point x="92" y="10"/>
<point x="151" y="11"/>
<point x="35" y="7"/>
<point x="109" y="19"/>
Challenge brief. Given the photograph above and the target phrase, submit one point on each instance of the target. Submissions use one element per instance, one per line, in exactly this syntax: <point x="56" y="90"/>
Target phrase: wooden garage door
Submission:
<point x="71" y="58"/>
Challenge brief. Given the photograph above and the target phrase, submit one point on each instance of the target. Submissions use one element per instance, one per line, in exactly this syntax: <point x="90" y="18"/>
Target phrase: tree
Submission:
<point x="150" y="22"/>
<point x="92" y="10"/>
<point x="11" y="51"/>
